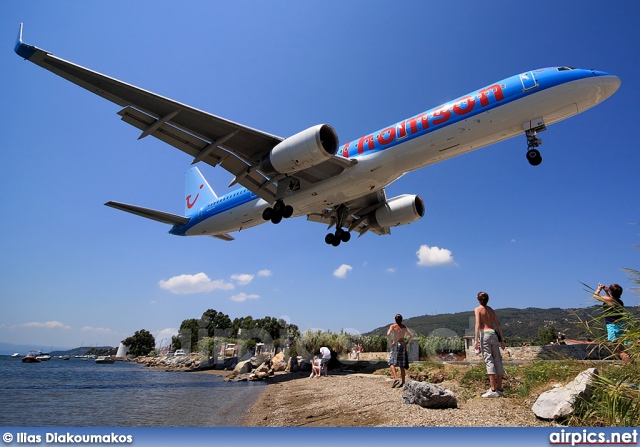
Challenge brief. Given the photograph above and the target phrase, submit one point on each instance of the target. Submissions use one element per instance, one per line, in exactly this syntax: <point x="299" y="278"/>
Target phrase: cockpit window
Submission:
<point x="565" y="68"/>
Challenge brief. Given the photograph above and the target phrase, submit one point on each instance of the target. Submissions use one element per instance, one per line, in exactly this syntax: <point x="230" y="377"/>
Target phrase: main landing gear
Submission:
<point x="533" y="154"/>
<point x="340" y="235"/>
<point x="278" y="211"/>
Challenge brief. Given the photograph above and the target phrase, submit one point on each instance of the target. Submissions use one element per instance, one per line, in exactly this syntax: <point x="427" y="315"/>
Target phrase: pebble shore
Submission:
<point x="367" y="400"/>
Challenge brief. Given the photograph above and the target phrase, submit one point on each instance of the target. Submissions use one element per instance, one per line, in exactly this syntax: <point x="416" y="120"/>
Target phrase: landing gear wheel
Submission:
<point x="287" y="212"/>
<point x="278" y="207"/>
<point x="276" y="217"/>
<point x="267" y="213"/>
<point x="534" y="157"/>
<point x="346" y="236"/>
<point x="329" y="239"/>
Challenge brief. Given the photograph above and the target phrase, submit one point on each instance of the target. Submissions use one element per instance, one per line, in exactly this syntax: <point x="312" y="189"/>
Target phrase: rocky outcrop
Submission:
<point x="559" y="402"/>
<point x="177" y="363"/>
<point x="428" y="395"/>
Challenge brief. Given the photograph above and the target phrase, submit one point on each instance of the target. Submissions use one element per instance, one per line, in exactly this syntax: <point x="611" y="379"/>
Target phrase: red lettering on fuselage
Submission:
<point x="361" y="142"/>
<point x="483" y="94"/>
<point x="422" y="122"/>
<point x="387" y="136"/>
<point x="440" y="116"/>
<point x="470" y="104"/>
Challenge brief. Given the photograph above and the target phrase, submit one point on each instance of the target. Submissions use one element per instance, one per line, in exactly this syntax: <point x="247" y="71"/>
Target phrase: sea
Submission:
<point x="81" y="393"/>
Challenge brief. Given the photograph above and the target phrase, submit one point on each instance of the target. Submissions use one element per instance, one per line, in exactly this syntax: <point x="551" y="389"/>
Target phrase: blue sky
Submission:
<point x="73" y="271"/>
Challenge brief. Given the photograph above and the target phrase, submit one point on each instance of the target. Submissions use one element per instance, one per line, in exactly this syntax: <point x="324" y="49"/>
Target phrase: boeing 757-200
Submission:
<point x="310" y="174"/>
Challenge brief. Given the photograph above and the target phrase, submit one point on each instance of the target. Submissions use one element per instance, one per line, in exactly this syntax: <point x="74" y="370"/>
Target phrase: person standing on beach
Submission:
<point x="396" y="337"/>
<point x="326" y="356"/>
<point x="486" y="340"/>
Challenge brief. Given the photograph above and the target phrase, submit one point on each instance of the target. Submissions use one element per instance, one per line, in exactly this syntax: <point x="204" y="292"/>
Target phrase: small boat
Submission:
<point x="43" y="356"/>
<point x="31" y="357"/>
<point x="15" y="354"/>
<point x="105" y="359"/>
<point x="66" y="357"/>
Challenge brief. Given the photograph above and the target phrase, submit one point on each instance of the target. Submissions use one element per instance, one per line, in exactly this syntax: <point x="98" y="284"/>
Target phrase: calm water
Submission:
<point x="83" y="393"/>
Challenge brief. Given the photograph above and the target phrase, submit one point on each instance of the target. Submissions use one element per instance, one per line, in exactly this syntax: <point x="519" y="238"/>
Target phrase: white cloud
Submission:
<point x="391" y="270"/>
<point x="166" y="333"/>
<point x="244" y="297"/>
<point x="264" y="272"/>
<point x="433" y="256"/>
<point x="242" y="278"/>
<point x="186" y="284"/>
<point x="341" y="272"/>
<point x="47" y="325"/>
<point x="96" y="329"/>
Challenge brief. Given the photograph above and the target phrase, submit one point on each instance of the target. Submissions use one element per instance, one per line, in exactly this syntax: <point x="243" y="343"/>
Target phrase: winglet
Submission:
<point x="24" y="50"/>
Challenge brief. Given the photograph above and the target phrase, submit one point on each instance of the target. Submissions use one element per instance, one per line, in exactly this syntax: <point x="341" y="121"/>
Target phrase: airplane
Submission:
<point x="310" y="173"/>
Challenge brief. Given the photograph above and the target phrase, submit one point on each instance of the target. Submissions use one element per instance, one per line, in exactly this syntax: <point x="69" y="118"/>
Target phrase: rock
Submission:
<point x="208" y="364"/>
<point x="242" y="367"/>
<point x="428" y="395"/>
<point x="305" y="365"/>
<point x="279" y="357"/>
<point x="293" y="365"/>
<point x="258" y="360"/>
<point x="279" y="366"/>
<point x="262" y="369"/>
<point x="558" y="403"/>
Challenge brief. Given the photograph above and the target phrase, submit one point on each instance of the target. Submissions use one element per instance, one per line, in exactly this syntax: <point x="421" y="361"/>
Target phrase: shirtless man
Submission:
<point x="486" y="339"/>
<point x="399" y="355"/>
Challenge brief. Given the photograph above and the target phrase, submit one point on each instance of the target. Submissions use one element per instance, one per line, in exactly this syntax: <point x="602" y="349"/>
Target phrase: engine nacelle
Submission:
<point x="400" y="210"/>
<point x="303" y="150"/>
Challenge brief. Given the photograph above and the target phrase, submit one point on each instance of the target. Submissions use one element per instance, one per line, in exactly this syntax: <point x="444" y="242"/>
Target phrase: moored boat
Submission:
<point x="105" y="359"/>
<point x="31" y="357"/>
<point x="43" y="356"/>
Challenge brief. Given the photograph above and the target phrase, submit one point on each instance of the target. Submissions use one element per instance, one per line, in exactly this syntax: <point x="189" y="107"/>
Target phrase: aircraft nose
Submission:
<point x="610" y="83"/>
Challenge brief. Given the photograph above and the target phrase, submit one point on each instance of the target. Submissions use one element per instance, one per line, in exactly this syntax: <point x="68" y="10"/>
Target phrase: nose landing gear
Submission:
<point x="531" y="131"/>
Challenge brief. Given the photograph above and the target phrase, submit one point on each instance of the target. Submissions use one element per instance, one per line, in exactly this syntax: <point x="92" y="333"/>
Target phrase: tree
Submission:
<point x="547" y="334"/>
<point x="140" y="343"/>
<point x="215" y="320"/>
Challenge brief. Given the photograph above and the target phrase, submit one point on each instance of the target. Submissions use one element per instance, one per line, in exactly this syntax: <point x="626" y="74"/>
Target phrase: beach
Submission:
<point x="367" y="400"/>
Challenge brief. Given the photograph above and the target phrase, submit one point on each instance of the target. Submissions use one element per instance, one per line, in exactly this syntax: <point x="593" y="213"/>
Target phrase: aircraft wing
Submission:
<point x="358" y="212"/>
<point x="206" y="137"/>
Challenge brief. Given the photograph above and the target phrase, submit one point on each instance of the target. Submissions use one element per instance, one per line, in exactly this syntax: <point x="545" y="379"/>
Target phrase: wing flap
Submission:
<point x="194" y="146"/>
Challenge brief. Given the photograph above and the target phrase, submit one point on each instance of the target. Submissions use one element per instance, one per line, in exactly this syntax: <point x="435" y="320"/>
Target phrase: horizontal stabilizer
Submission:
<point x="224" y="237"/>
<point x="160" y="216"/>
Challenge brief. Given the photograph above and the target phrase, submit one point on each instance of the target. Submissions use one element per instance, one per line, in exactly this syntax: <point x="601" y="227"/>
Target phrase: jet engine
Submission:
<point x="400" y="210"/>
<point x="303" y="150"/>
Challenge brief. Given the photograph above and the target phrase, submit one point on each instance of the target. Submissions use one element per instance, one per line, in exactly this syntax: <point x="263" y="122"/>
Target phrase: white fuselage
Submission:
<point x="377" y="170"/>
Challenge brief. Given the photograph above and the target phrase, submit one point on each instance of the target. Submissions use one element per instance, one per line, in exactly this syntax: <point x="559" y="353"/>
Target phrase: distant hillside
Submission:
<point x="519" y="325"/>
<point x="87" y="350"/>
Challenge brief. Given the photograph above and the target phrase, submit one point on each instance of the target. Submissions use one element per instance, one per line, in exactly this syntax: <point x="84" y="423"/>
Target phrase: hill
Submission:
<point x="519" y="325"/>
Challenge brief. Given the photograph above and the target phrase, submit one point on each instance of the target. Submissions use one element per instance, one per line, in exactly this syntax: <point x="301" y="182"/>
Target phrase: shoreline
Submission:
<point x="367" y="400"/>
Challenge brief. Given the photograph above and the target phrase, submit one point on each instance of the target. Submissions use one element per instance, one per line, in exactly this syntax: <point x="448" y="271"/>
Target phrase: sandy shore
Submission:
<point x="367" y="400"/>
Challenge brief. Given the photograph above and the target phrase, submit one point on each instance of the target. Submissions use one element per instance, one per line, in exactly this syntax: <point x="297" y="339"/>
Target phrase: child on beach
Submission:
<point x="316" y="367"/>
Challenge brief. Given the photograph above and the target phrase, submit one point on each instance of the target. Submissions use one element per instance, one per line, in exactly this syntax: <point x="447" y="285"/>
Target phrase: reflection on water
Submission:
<point x="83" y="393"/>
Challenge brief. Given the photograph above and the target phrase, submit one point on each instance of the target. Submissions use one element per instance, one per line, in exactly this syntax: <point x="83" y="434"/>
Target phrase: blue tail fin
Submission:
<point x="197" y="192"/>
